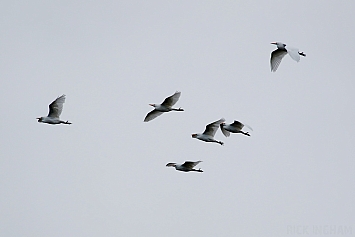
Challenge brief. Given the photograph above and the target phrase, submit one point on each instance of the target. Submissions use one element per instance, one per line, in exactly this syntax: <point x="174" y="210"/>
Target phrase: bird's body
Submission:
<point x="50" y="120"/>
<point x="210" y="131"/>
<point x="280" y="52"/>
<point x="235" y="127"/>
<point x="55" y="109"/>
<point x="186" y="167"/>
<point x="164" y="107"/>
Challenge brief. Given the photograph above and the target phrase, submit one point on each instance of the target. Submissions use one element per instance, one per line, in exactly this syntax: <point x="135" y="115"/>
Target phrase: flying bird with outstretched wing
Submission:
<point x="55" y="110"/>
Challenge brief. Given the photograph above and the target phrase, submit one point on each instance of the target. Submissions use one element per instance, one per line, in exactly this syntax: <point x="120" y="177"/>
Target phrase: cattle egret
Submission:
<point x="209" y="132"/>
<point x="235" y="127"/>
<point x="280" y="52"/>
<point x="55" y="109"/>
<point x="186" y="167"/>
<point x="166" y="106"/>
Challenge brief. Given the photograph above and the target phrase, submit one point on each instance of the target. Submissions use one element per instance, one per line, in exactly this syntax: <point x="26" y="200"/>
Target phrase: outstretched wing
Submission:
<point x="191" y="164"/>
<point x="152" y="115"/>
<point x="276" y="57"/>
<point x="213" y="127"/>
<point x="293" y="52"/>
<point x="250" y="128"/>
<point x="171" y="100"/>
<point x="225" y="132"/>
<point x="238" y="125"/>
<point x="56" y="107"/>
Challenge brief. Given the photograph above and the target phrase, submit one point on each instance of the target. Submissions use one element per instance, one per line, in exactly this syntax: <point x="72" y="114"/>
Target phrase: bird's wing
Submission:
<point x="225" y="132"/>
<point x="212" y="127"/>
<point x="250" y="128"/>
<point x="237" y="125"/>
<point x="191" y="164"/>
<point x="152" y="115"/>
<point x="293" y="52"/>
<point x="276" y="57"/>
<point x="56" y="107"/>
<point x="171" y="100"/>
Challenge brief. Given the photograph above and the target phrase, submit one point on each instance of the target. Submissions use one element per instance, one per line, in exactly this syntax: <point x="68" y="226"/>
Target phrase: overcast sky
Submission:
<point x="105" y="174"/>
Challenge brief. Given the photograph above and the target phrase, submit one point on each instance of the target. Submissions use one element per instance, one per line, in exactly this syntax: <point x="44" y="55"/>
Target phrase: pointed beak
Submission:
<point x="273" y="43"/>
<point x="151" y="105"/>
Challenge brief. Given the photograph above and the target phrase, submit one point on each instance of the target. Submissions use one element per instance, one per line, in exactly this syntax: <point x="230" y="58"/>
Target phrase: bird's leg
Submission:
<point x="220" y="142"/>
<point x="246" y="133"/>
<point x="199" y="170"/>
<point x="302" y="54"/>
<point x="67" y="122"/>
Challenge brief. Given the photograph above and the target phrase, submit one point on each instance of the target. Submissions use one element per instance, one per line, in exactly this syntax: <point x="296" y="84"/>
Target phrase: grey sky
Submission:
<point x="105" y="174"/>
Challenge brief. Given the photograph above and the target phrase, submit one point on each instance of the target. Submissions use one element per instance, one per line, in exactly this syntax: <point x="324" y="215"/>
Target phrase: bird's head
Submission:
<point x="279" y="44"/>
<point x="171" y="164"/>
<point x="194" y="135"/>
<point x="39" y="119"/>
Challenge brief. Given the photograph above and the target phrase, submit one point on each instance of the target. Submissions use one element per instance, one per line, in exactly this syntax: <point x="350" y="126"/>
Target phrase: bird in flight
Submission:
<point x="209" y="132"/>
<point x="186" y="167"/>
<point x="55" y="109"/>
<point x="166" y="106"/>
<point x="235" y="127"/>
<point x="280" y="52"/>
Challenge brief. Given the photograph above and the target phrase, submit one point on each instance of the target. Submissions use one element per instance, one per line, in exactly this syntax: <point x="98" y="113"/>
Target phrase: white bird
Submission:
<point x="55" y="109"/>
<point x="235" y="127"/>
<point x="209" y="132"/>
<point x="186" y="167"/>
<point x="280" y="52"/>
<point x="166" y="106"/>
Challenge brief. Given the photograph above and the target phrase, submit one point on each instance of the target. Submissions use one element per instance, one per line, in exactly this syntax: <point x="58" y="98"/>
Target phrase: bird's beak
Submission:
<point x="151" y="104"/>
<point x="273" y="43"/>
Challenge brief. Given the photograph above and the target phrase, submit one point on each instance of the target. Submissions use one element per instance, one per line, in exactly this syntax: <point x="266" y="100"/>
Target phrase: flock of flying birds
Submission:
<point x="56" y="107"/>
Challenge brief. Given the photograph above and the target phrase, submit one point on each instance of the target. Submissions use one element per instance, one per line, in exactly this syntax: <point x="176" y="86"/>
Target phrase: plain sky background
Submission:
<point x="105" y="174"/>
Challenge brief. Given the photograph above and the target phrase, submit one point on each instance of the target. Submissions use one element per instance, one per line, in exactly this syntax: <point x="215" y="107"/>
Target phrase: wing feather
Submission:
<point x="191" y="164"/>
<point x="212" y="128"/>
<point x="171" y="100"/>
<point x="152" y="115"/>
<point x="293" y="52"/>
<point x="225" y="132"/>
<point x="237" y="125"/>
<point x="56" y="107"/>
<point x="276" y="57"/>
